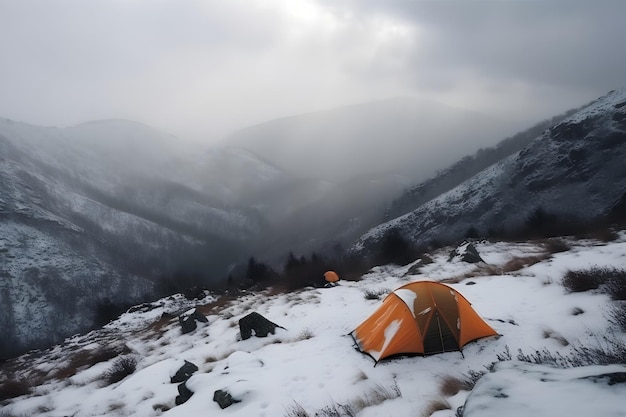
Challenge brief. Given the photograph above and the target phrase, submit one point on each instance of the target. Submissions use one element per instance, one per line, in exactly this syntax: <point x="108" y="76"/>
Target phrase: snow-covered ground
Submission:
<point x="312" y="368"/>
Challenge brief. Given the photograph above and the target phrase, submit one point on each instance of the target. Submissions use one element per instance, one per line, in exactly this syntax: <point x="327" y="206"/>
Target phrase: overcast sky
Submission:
<point x="202" y="68"/>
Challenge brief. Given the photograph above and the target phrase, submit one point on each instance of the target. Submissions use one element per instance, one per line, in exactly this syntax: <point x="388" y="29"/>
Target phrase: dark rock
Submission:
<point x="142" y="308"/>
<point x="224" y="399"/>
<point x="188" y="320"/>
<point x="470" y="283"/>
<point x="188" y="324"/>
<point x="184" y="373"/>
<point x="467" y="253"/>
<point x="255" y="324"/>
<point x="185" y="394"/>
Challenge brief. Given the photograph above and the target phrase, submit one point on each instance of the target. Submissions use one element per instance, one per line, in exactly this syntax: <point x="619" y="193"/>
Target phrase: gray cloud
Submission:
<point x="204" y="68"/>
<point x="574" y="44"/>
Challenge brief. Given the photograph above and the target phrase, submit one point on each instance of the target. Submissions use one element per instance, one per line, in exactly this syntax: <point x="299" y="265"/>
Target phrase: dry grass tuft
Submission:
<point x="121" y="368"/>
<point x="450" y="385"/>
<point x="87" y="358"/>
<point x="13" y="389"/>
<point x="556" y="245"/>
<point x="516" y="264"/>
<point x="375" y="396"/>
<point x="436" y="405"/>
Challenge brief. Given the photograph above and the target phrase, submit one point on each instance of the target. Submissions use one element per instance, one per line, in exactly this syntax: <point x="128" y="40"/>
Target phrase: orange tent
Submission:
<point x="422" y="317"/>
<point x="331" y="276"/>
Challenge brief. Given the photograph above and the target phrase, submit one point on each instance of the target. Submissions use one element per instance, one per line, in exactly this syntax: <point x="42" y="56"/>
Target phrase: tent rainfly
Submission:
<point x="423" y="317"/>
<point x="331" y="276"/>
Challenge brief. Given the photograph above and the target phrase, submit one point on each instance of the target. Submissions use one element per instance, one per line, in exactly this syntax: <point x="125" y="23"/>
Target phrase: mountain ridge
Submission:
<point x="578" y="159"/>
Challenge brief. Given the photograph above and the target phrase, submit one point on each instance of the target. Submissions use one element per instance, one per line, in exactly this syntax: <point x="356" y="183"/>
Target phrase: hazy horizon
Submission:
<point x="203" y="70"/>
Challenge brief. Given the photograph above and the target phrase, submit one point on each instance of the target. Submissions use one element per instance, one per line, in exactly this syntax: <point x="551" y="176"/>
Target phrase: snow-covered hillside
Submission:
<point x="312" y="368"/>
<point x="574" y="171"/>
<point x="98" y="213"/>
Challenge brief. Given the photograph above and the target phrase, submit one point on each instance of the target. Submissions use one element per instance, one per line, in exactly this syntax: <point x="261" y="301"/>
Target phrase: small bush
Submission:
<point x="122" y="367"/>
<point x="608" y="352"/>
<point x="616" y="284"/>
<point x="581" y="281"/>
<point x="612" y="280"/>
<point x="375" y="294"/>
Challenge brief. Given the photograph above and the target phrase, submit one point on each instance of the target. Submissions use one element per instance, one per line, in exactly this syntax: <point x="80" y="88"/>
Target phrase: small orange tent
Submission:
<point x="422" y="317"/>
<point x="331" y="276"/>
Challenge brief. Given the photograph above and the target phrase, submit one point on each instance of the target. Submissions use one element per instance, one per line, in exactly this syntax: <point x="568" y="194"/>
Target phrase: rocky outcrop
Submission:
<point x="188" y="321"/>
<point x="255" y="324"/>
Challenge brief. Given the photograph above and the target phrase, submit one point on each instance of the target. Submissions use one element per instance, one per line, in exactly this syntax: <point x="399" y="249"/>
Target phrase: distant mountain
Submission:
<point x="573" y="172"/>
<point x="402" y="135"/>
<point x="106" y="213"/>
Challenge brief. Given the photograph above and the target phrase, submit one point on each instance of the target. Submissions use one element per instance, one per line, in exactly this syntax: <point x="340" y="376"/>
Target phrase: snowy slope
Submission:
<point x="112" y="206"/>
<point x="311" y="367"/>
<point x="574" y="170"/>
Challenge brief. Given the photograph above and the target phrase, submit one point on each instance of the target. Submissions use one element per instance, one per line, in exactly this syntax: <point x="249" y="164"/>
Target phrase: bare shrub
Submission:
<point x="581" y="281"/>
<point x="473" y="376"/>
<point x="616" y="284"/>
<point x="121" y="368"/>
<point x="617" y="316"/>
<point x="375" y="294"/>
<point x="296" y="410"/>
<point x="336" y="410"/>
<point x="607" y="352"/>
<point x="612" y="280"/>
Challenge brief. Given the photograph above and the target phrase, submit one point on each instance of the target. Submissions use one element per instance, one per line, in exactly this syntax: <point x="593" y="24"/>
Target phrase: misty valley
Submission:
<point x="108" y="214"/>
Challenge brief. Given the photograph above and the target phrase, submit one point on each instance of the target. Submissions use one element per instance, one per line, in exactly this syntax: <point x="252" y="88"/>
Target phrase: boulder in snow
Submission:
<point x="188" y="320"/>
<point x="224" y="399"/>
<point x="465" y="252"/>
<point x="184" y="394"/>
<point x="255" y="324"/>
<point x="184" y="373"/>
